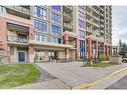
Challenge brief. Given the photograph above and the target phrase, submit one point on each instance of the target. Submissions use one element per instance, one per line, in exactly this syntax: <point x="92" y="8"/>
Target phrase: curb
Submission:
<point x="93" y="84"/>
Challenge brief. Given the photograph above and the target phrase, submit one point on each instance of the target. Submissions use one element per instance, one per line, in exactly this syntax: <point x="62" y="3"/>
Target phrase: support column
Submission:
<point x="31" y="32"/>
<point x="3" y="39"/>
<point x="89" y="48"/>
<point x="104" y="49"/>
<point x="66" y="42"/>
<point x="96" y="49"/>
<point x="31" y="54"/>
<point x="77" y="50"/>
<point x="110" y="50"/>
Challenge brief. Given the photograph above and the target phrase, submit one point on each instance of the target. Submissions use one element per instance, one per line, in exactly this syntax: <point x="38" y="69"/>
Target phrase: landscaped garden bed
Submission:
<point x="102" y="61"/>
<point x="102" y="65"/>
<point x="12" y="75"/>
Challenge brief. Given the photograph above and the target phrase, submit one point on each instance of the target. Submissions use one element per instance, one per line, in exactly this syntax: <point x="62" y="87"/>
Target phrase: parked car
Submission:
<point x="124" y="60"/>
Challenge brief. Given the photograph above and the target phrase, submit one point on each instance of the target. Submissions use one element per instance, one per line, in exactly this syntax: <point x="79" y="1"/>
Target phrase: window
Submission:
<point x="41" y="38"/>
<point x="56" y="8"/>
<point x="40" y="26"/>
<point x="82" y="49"/>
<point x="39" y="55"/>
<point x="56" y="40"/>
<point x="40" y="12"/>
<point x="56" y="18"/>
<point x="82" y="34"/>
<point x="56" y="30"/>
<point x="81" y="24"/>
<point x="1" y="9"/>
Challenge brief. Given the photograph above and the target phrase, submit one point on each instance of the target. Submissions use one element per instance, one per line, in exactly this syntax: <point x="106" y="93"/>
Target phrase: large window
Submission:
<point x="56" y="40"/>
<point x="56" y="8"/>
<point x="40" y="12"/>
<point x="56" y="30"/>
<point x="39" y="55"/>
<point x="40" y="26"/>
<point x="41" y="38"/>
<point x="1" y="9"/>
<point x="56" y="18"/>
<point x="82" y="34"/>
<point x="81" y="24"/>
<point x="82" y="49"/>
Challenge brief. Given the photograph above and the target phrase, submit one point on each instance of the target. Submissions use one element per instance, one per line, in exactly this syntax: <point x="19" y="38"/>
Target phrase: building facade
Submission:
<point x="50" y="33"/>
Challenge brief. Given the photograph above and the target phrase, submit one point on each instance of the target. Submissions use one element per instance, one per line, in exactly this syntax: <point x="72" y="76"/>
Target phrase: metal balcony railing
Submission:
<point x="17" y="39"/>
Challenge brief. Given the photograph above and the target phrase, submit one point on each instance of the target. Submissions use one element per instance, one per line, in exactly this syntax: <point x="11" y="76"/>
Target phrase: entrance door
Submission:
<point x="21" y="56"/>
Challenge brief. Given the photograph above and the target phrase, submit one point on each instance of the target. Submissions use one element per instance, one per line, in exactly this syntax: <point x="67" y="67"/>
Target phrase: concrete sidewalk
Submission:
<point x="73" y="74"/>
<point x="51" y="84"/>
<point x="69" y="75"/>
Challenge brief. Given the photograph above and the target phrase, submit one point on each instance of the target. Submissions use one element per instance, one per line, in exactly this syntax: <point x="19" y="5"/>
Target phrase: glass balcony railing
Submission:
<point x="17" y="39"/>
<point x="20" y="9"/>
<point x="67" y="25"/>
<point x="65" y="13"/>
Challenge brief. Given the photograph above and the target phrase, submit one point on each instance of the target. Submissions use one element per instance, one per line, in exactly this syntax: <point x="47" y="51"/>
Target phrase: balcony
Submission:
<point x="89" y="21"/>
<point x="95" y="17"/>
<point x="95" y="24"/>
<point x="102" y="25"/>
<point x="66" y="25"/>
<point x="67" y="14"/>
<point x="68" y="9"/>
<point x="67" y="17"/>
<point x="20" y="9"/>
<point x="88" y="29"/>
<point x="17" y="40"/>
<point x="89" y="13"/>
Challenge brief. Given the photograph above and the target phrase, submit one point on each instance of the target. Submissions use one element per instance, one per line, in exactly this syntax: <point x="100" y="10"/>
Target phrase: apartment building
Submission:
<point x="48" y="33"/>
<point x="98" y="31"/>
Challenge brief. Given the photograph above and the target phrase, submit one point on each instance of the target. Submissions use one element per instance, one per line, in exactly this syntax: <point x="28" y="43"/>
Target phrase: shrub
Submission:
<point x="107" y="58"/>
<point x="102" y="58"/>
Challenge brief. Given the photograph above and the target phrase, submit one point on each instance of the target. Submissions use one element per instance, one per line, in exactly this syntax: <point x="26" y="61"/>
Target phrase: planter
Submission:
<point x="117" y="59"/>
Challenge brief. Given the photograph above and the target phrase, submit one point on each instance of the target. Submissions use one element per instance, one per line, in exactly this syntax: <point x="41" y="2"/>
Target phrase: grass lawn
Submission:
<point x="17" y="74"/>
<point x="102" y="65"/>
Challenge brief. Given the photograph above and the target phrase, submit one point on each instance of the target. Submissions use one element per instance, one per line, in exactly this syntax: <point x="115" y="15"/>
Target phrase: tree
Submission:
<point x="122" y="48"/>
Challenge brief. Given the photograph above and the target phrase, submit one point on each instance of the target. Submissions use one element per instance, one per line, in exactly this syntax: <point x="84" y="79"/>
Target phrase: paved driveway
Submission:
<point x="72" y="74"/>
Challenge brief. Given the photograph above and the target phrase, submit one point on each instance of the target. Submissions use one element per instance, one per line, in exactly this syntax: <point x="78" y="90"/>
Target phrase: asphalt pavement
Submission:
<point x="121" y="84"/>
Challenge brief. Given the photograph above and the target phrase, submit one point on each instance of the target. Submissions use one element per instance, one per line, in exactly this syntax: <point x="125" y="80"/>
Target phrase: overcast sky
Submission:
<point x="119" y="24"/>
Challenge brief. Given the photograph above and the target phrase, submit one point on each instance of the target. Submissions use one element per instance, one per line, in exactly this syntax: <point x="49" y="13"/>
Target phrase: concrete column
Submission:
<point x="3" y="39"/>
<point x="110" y="50"/>
<point x="104" y="49"/>
<point x="31" y="54"/>
<point x="89" y="48"/>
<point x="96" y="49"/>
<point x="66" y="38"/>
<point x="31" y="32"/>
<point x="77" y="50"/>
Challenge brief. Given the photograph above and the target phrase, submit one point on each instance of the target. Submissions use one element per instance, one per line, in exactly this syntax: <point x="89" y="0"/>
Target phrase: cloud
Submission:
<point x="119" y="24"/>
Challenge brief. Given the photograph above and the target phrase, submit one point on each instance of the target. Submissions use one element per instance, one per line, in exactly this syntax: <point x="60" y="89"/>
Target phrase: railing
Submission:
<point x="96" y="17"/>
<point x="17" y="39"/>
<point x="65" y="13"/>
<point x="67" y="25"/>
<point x="89" y="13"/>
<point x="96" y="24"/>
<point x="89" y="20"/>
<point x="88" y="29"/>
<point x="70" y="7"/>
<point x="21" y="9"/>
